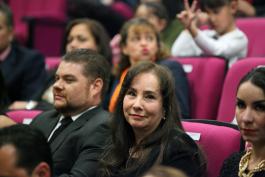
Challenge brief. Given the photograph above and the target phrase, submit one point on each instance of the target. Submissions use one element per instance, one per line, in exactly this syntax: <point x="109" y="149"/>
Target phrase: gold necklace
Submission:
<point x="243" y="165"/>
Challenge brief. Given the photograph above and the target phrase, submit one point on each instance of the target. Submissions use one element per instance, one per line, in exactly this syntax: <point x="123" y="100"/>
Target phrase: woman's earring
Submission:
<point x="164" y="116"/>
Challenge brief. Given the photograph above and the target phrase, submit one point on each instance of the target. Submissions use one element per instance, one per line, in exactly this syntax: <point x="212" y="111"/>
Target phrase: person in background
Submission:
<point x="224" y="39"/>
<point x="157" y="14"/>
<point x="110" y="18"/>
<point x="24" y="152"/>
<point x="23" y="69"/>
<point x="251" y="8"/>
<point x="78" y="126"/>
<point x="146" y="127"/>
<point x="88" y="34"/>
<point x="250" y="116"/>
<point x="140" y="41"/>
<point x="164" y="171"/>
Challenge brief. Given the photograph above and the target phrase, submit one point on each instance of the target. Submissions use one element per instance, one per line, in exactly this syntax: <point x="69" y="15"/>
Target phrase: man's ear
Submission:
<point x="42" y="170"/>
<point x="97" y="86"/>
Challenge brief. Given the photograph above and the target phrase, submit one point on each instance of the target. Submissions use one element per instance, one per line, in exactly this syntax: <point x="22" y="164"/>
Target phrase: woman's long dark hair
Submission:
<point x="122" y="134"/>
<point x="256" y="76"/>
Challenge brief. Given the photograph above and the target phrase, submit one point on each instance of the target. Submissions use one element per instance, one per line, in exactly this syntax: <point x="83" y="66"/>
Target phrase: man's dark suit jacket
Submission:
<point x="76" y="150"/>
<point x="24" y="73"/>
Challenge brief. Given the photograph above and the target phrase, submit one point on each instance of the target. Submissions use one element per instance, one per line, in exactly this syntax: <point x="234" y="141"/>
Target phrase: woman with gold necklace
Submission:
<point x="250" y="116"/>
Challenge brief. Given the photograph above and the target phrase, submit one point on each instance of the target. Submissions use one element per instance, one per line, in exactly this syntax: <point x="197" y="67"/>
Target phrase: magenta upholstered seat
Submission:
<point x="205" y="76"/>
<point x="52" y="63"/>
<point x="217" y="140"/>
<point x="254" y="28"/>
<point x="123" y="9"/>
<point x="20" y="116"/>
<point x="40" y="23"/>
<point x="226" y="111"/>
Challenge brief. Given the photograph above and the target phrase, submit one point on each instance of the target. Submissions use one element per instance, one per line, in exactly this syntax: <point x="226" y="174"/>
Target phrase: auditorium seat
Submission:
<point x="218" y="140"/>
<point x="40" y="24"/>
<point x="205" y="76"/>
<point x="52" y="63"/>
<point x="23" y="116"/>
<point x="254" y="28"/>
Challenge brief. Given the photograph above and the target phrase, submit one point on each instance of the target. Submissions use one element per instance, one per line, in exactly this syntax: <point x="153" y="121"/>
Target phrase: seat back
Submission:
<point x="254" y="28"/>
<point x="217" y="140"/>
<point x="23" y="116"/>
<point x="226" y="111"/>
<point x="205" y="76"/>
<point x="46" y="16"/>
<point x="52" y="63"/>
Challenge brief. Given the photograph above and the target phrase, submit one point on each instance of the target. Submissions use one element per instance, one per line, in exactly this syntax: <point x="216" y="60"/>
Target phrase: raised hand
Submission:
<point x="188" y="16"/>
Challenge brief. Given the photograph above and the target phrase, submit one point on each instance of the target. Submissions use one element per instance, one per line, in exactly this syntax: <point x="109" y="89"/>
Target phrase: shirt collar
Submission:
<point x="75" y="117"/>
<point x="5" y="53"/>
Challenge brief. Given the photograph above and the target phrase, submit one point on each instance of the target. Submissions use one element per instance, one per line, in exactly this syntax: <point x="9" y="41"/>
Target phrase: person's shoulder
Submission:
<point x="239" y="33"/>
<point x="27" y="53"/>
<point x="98" y="116"/>
<point x="46" y="115"/>
<point x="169" y="63"/>
<point x="98" y="112"/>
<point x="6" y="121"/>
<point x="181" y="141"/>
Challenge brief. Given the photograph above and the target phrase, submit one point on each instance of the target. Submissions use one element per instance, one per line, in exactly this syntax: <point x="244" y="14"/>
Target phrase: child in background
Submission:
<point x="224" y="39"/>
<point x="156" y="13"/>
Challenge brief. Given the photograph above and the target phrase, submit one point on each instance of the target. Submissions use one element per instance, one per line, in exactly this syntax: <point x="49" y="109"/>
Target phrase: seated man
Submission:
<point x="24" y="151"/>
<point x="23" y="69"/>
<point x="77" y="128"/>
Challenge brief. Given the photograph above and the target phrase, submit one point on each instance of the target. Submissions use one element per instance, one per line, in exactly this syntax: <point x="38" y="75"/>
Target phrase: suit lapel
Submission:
<point x="50" y="125"/>
<point x="77" y="124"/>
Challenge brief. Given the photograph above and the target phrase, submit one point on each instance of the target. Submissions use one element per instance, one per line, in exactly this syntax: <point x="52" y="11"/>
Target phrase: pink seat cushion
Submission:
<point x="52" y="62"/>
<point x="19" y="115"/>
<point x="217" y="142"/>
<point x="254" y="28"/>
<point x="205" y="76"/>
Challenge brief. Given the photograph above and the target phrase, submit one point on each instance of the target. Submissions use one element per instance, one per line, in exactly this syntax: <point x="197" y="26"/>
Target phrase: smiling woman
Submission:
<point x="146" y="127"/>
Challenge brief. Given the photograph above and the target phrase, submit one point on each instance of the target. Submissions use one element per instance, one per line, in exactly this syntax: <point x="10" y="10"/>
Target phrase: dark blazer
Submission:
<point x="75" y="151"/>
<point x="24" y="73"/>
<point x="181" y="152"/>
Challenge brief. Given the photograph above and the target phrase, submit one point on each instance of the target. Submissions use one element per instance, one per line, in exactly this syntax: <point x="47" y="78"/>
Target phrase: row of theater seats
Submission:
<point x="213" y="86"/>
<point x="40" y="24"/>
<point x="209" y="134"/>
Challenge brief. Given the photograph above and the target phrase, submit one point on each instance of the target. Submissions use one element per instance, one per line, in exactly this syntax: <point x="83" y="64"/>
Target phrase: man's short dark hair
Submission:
<point x="213" y="4"/>
<point x="94" y="65"/>
<point x="31" y="146"/>
<point x="8" y="15"/>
